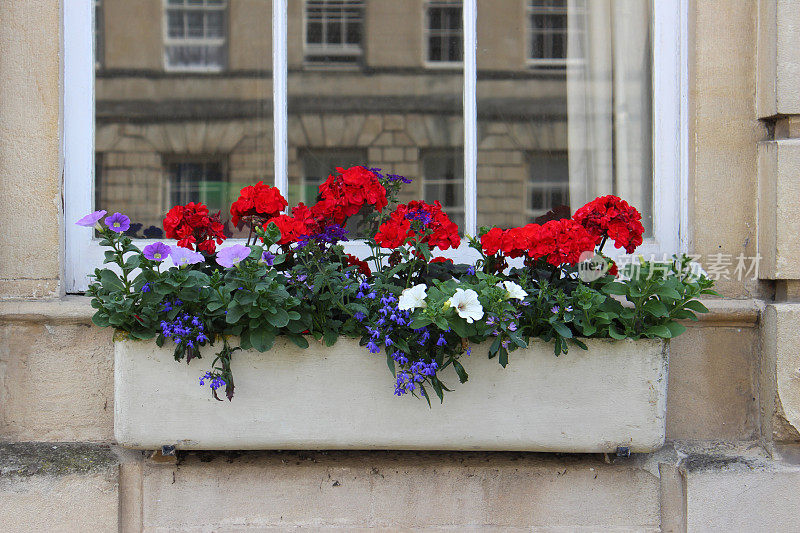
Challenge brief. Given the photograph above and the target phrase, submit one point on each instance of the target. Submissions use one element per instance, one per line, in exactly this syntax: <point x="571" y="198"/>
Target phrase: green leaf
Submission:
<point x="279" y="318"/>
<point x="684" y="314"/>
<point x="100" y="318"/>
<point x="615" y="288"/>
<point x="655" y="308"/>
<point x="668" y="292"/>
<point x="614" y="333"/>
<point x="262" y="339"/>
<point x="110" y="280"/>
<point x="659" y="330"/>
<point x="235" y="312"/>
<point x="562" y="330"/>
<point x="695" y="305"/>
<point x="437" y="387"/>
<point x="503" y="359"/>
<point x="580" y="344"/>
<point x="676" y="328"/>
<point x="460" y="327"/>
<point x="330" y="337"/>
<point x="299" y="340"/>
<point x="494" y="347"/>
<point x="133" y="262"/>
<point x="215" y="305"/>
<point x="142" y="334"/>
<point x="419" y="322"/>
<point x="425" y="394"/>
<point x="390" y="363"/>
<point x="462" y="374"/>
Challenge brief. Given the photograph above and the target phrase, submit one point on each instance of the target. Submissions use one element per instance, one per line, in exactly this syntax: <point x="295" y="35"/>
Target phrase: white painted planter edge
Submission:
<point x="341" y="397"/>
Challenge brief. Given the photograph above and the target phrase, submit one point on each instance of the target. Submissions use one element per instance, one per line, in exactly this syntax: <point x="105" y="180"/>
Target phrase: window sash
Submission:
<point x="670" y="131"/>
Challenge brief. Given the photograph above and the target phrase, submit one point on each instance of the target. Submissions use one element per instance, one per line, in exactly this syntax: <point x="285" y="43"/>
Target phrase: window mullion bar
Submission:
<point x="279" y="97"/>
<point x="470" y="117"/>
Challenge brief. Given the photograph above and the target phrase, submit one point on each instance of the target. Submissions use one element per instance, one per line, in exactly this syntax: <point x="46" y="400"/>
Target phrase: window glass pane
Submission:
<point x="574" y="120"/>
<point x="314" y="33"/>
<point x="175" y="23"/>
<point x="386" y="113"/>
<point x="194" y="24"/>
<point x="166" y="134"/>
<point x="215" y="22"/>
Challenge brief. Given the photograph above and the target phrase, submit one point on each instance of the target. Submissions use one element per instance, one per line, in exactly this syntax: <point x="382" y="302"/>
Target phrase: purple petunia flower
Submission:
<point x="233" y="255"/>
<point x="92" y="218"/>
<point x="118" y="222"/>
<point x="184" y="256"/>
<point x="158" y="251"/>
<point x="268" y="258"/>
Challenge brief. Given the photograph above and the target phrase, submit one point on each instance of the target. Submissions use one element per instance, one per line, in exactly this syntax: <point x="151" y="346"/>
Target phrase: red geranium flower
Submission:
<point x="611" y="217"/>
<point x="259" y="200"/>
<point x="492" y="241"/>
<point x="343" y="195"/>
<point x="363" y="266"/>
<point x="291" y="228"/>
<point x="561" y="241"/>
<point x="517" y="241"/>
<point x="192" y="225"/>
<point x="418" y="217"/>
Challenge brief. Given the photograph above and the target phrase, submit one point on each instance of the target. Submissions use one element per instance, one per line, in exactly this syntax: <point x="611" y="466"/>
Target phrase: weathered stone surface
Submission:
<point x="56" y="379"/>
<point x="711" y="384"/>
<point x="778" y="223"/>
<point x="741" y="494"/>
<point x="780" y="372"/>
<point x="63" y="487"/>
<point x="30" y="149"/>
<point x="723" y="133"/>
<point x="778" y="60"/>
<point x="398" y="490"/>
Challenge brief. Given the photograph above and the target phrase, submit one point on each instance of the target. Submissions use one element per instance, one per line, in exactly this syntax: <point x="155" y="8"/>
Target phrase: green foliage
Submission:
<point x="310" y="291"/>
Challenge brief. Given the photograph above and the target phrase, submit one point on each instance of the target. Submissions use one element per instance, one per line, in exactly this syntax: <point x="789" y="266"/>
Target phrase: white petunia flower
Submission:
<point x="412" y="298"/>
<point x="514" y="290"/>
<point x="467" y="305"/>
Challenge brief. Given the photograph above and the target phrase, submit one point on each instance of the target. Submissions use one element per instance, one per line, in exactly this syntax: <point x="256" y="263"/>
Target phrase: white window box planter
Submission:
<point x="341" y="397"/>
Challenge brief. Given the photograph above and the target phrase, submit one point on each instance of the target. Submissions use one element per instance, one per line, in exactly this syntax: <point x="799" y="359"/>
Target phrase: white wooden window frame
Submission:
<point x="670" y="132"/>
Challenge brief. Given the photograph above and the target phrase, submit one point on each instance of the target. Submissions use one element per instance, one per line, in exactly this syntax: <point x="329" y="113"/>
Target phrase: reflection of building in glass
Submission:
<point x="184" y="101"/>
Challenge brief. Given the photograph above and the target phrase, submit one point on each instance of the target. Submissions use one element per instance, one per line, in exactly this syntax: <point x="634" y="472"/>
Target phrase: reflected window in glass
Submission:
<point x="443" y="181"/>
<point x="195" y="36"/>
<point x="445" y="34"/>
<point x="334" y="31"/>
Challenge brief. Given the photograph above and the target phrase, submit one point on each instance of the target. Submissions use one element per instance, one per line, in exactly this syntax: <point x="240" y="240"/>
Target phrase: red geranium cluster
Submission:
<point x="342" y="196"/>
<point x="557" y="241"/>
<point x="418" y="217"/>
<point x="291" y="228"/>
<point x="192" y="225"/>
<point x="611" y="217"/>
<point x="257" y="200"/>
